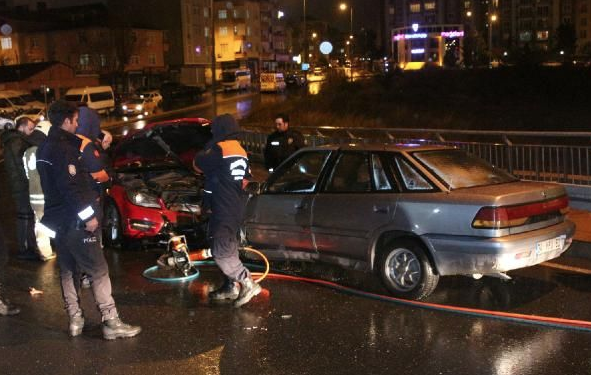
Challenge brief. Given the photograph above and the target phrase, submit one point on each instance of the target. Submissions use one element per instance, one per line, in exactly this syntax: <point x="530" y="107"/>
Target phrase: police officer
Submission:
<point x="225" y="166"/>
<point x="282" y="142"/>
<point x="15" y="142"/>
<point x="71" y="205"/>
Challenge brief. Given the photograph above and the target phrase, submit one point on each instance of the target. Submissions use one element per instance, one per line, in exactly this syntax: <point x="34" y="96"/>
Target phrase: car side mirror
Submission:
<point x="253" y="187"/>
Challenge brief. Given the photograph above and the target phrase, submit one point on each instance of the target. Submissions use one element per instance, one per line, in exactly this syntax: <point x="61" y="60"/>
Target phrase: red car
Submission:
<point x="155" y="190"/>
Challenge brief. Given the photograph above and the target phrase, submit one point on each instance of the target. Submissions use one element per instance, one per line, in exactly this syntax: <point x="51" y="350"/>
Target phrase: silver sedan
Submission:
<point x="411" y="213"/>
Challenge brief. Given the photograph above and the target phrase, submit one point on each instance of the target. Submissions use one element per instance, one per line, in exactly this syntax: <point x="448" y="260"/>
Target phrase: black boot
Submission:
<point x="6" y="308"/>
<point x="228" y="291"/>
<point x="248" y="289"/>
<point x="114" y="328"/>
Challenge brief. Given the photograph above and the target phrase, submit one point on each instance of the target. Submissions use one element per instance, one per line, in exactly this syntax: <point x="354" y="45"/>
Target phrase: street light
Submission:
<point x="493" y="19"/>
<point x="343" y="7"/>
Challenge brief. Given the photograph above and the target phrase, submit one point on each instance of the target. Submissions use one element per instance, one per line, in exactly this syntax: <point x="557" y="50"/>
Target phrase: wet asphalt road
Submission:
<point x="293" y="327"/>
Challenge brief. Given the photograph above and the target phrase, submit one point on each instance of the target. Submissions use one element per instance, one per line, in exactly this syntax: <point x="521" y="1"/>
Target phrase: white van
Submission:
<point x="99" y="98"/>
<point x="272" y="82"/>
<point x="236" y="79"/>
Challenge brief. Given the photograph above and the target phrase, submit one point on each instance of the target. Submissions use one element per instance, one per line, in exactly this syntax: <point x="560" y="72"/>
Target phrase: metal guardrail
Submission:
<point x="563" y="157"/>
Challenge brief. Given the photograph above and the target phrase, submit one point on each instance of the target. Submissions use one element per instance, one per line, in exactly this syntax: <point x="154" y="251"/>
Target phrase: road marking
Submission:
<point x="567" y="268"/>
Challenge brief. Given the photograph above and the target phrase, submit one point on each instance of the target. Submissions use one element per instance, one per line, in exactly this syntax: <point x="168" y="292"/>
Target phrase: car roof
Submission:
<point x="401" y="147"/>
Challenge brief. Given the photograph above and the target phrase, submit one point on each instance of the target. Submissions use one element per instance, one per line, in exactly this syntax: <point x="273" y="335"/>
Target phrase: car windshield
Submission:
<point x="459" y="169"/>
<point x="18" y="100"/>
<point x="32" y="111"/>
<point x="74" y="98"/>
<point x="4" y="103"/>
<point x="28" y="98"/>
<point x="153" y="146"/>
<point x="136" y="101"/>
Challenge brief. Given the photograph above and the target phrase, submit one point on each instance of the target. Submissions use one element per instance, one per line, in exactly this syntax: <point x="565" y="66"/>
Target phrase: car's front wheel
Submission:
<point x="112" y="228"/>
<point x="406" y="271"/>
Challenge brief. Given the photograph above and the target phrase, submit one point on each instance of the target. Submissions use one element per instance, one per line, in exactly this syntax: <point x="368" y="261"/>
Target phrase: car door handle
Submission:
<point x="381" y="209"/>
<point x="300" y="206"/>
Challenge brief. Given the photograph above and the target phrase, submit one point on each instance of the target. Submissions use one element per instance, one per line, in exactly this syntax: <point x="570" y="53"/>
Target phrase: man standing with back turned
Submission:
<point x="71" y="208"/>
<point x="225" y="166"/>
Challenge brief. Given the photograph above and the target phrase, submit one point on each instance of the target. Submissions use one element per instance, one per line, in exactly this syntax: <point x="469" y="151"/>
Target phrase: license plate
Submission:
<point x="550" y="245"/>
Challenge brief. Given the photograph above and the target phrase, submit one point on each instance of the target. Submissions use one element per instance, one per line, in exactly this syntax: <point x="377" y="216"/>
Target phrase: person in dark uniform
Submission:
<point x="71" y="205"/>
<point x="15" y="142"/>
<point x="281" y="143"/>
<point x="225" y="166"/>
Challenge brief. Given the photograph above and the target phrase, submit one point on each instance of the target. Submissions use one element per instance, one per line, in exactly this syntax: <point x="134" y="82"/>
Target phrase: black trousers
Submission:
<point x="3" y="257"/>
<point x="225" y="255"/>
<point x="80" y="251"/>
<point x="25" y="224"/>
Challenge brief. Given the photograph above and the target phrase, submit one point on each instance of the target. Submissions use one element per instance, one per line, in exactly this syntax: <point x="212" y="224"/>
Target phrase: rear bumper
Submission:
<point x="457" y="255"/>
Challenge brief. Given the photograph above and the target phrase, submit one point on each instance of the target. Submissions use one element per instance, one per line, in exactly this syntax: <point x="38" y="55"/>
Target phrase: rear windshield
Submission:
<point x="101" y="96"/>
<point x="459" y="169"/>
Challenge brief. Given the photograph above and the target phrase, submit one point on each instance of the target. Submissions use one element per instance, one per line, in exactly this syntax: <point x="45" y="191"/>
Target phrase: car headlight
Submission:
<point x="124" y="107"/>
<point x="142" y="198"/>
<point x="138" y="107"/>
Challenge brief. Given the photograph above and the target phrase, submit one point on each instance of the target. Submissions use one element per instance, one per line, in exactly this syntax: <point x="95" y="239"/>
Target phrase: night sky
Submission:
<point x="366" y="13"/>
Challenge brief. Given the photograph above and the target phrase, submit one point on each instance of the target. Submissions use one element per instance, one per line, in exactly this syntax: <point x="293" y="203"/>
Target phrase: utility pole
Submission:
<point x="213" y="60"/>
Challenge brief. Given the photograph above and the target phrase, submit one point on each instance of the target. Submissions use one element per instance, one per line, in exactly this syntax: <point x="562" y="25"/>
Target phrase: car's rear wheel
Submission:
<point x="406" y="270"/>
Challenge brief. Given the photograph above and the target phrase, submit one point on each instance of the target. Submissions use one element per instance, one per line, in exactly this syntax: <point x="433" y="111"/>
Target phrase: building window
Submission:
<point x="542" y="35"/>
<point x="206" y="31"/>
<point x="429" y="6"/>
<point x="467" y="5"/>
<point x="34" y="42"/>
<point x="103" y="60"/>
<point x="152" y="59"/>
<point x="543" y="11"/>
<point x="525" y="36"/>
<point x="224" y="48"/>
<point x="415" y="7"/>
<point x="583" y="8"/>
<point x="134" y="60"/>
<point x="248" y="31"/>
<point x="583" y="34"/>
<point x="222" y="14"/>
<point x="84" y="60"/>
<point x="583" y="21"/>
<point x="223" y="30"/>
<point x="205" y="12"/>
<point x="235" y="30"/>
<point x="391" y="11"/>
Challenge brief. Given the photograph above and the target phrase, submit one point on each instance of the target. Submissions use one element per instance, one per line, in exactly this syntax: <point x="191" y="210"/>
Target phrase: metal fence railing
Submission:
<point x="563" y="157"/>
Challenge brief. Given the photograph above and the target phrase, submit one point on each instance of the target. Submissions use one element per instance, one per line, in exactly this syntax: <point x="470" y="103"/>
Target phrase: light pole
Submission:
<point x="213" y="60"/>
<point x="343" y="7"/>
<point x="493" y="19"/>
<point x="305" y="54"/>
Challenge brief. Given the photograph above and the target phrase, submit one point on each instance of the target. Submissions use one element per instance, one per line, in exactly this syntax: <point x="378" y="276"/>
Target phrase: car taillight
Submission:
<point x="513" y="216"/>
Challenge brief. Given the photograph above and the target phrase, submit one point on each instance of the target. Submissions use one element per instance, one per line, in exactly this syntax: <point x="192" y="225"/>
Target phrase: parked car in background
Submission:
<point x="7" y="110"/>
<point x="31" y="101"/>
<point x="410" y="214"/>
<point x="99" y="98"/>
<point x="154" y="95"/>
<point x="34" y="114"/>
<point x="295" y="80"/>
<point x="15" y="102"/>
<point x="175" y="94"/>
<point x="137" y="107"/>
<point x="272" y="82"/>
<point x="155" y="189"/>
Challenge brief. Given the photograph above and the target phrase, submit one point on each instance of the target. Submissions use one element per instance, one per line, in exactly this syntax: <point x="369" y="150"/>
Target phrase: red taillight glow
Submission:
<point x="512" y="216"/>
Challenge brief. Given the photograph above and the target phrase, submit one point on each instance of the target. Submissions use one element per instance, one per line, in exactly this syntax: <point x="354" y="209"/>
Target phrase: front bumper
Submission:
<point x="457" y="255"/>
